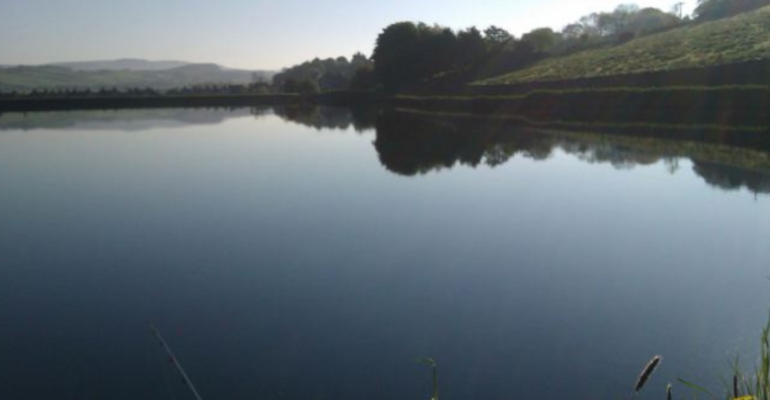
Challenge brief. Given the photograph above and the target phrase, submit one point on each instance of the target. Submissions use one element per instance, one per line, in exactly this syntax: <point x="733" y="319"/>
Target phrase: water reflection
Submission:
<point x="412" y="144"/>
<point x="360" y="118"/>
<point x="733" y="178"/>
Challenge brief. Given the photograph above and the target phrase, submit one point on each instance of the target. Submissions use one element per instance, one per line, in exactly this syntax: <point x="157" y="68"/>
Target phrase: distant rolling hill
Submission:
<point x="734" y="40"/>
<point x="122" y="74"/>
<point x="129" y="64"/>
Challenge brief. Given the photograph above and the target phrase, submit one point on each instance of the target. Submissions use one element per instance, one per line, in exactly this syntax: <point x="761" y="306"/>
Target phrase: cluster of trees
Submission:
<point x="257" y="87"/>
<point x="407" y="53"/>
<point x="715" y="9"/>
<point x="321" y="75"/>
<point x="304" y="86"/>
<point x="623" y="23"/>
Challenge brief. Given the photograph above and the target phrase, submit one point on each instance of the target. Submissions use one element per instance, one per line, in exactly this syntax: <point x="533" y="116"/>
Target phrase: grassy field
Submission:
<point x="27" y="78"/>
<point x="24" y="78"/>
<point x="734" y="40"/>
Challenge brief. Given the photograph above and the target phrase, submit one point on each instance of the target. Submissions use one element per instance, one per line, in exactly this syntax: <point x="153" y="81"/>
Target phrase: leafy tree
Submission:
<point x="364" y="78"/>
<point x="470" y="48"/>
<point x="590" y="24"/>
<point x="573" y="31"/>
<point x="624" y="23"/>
<point x="291" y="86"/>
<point x="621" y="17"/>
<point x="541" y="40"/>
<point x="307" y="86"/>
<point x="716" y="9"/>
<point x="360" y="60"/>
<point x="497" y="38"/>
<point x="327" y="74"/>
<point x="650" y="20"/>
<point x="406" y="53"/>
<point x="395" y="51"/>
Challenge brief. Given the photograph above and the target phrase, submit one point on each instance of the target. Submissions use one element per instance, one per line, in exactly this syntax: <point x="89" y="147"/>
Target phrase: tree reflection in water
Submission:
<point x="410" y="143"/>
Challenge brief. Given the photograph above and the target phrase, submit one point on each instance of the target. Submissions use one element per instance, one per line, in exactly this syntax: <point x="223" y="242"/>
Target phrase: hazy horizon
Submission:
<point x="125" y="59"/>
<point x="255" y="35"/>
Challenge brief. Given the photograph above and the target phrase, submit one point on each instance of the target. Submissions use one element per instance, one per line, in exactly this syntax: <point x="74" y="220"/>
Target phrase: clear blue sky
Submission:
<point x="254" y="34"/>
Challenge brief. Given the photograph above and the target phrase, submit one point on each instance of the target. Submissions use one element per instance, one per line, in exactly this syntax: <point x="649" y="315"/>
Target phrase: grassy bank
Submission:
<point x="734" y="40"/>
<point x="52" y="77"/>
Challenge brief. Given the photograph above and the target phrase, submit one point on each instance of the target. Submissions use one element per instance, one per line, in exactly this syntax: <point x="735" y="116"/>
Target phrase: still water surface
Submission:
<point x="291" y="256"/>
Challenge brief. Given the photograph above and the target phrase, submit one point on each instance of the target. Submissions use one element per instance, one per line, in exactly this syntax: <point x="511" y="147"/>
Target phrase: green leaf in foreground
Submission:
<point x="696" y="387"/>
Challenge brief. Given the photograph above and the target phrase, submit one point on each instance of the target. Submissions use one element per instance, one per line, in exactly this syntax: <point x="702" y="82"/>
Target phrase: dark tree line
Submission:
<point x="256" y="87"/>
<point x="80" y="93"/>
<point x="407" y="53"/>
<point x="199" y="90"/>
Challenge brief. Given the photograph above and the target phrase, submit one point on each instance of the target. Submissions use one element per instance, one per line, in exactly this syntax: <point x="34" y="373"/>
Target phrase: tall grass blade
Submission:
<point x="696" y="387"/>
<point x="432" y="363"/>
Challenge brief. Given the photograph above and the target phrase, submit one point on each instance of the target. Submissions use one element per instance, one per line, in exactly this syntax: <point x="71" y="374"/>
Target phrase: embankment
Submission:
<point x="723" y="106"/>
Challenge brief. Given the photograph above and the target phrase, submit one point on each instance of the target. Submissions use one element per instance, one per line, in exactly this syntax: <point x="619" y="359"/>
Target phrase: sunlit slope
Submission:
<point x="742" y="38"/>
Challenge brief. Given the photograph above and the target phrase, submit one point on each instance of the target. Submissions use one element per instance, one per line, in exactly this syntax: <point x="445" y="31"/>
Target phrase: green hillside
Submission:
<point x="27" y="78"/>
<point x="742" y="38"/>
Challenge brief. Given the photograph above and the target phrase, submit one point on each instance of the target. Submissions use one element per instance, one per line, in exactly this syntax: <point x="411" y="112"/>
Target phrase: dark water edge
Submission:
<point x="740" y="107"/>
<point x="142" y="102"/>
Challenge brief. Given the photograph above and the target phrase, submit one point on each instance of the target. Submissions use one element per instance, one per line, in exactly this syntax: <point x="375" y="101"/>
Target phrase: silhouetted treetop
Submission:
<point x="328" y="74"/>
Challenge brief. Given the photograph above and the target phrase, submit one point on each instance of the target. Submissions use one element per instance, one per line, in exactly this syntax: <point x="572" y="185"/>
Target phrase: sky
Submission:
<point x="252" y="34"/>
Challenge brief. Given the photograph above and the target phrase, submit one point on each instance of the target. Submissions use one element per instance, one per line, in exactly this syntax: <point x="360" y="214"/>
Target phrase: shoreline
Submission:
<point x="32" y="104"/>
<point x="726" y="95"/>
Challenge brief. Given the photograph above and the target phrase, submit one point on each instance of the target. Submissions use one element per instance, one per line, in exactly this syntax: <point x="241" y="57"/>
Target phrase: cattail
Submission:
<point x="735" y="387"/>
<point x="668" y="392"/>
<point x="646" y="372"/>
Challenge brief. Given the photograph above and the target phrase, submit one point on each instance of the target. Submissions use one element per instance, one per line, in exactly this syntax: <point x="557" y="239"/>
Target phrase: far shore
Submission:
<point x="730" y="95"/>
